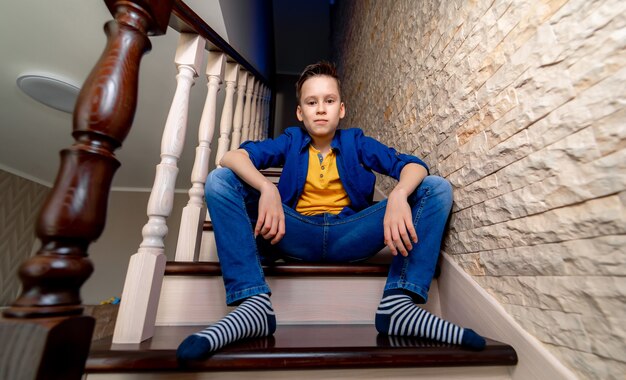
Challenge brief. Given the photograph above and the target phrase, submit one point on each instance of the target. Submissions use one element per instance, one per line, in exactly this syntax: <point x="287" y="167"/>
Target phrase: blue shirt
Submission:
<point x="357" y="156"/>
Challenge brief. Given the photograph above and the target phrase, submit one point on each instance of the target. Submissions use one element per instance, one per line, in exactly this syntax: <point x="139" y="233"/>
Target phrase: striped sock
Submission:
<point x="254" y="317"/>
<point x="398" y="315"/>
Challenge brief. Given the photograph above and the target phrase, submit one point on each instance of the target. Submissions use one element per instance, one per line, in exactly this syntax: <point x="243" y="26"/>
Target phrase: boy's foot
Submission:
<point x="398" y="315"/>
<point x="254" y="317"/>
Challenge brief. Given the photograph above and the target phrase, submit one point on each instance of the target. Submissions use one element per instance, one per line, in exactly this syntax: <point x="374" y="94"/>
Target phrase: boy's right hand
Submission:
<point x="271" y="220"/>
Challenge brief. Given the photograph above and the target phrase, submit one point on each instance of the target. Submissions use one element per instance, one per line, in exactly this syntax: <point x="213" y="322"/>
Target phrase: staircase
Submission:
<point x="325" y="312"/>
<point x="325" y="328"/>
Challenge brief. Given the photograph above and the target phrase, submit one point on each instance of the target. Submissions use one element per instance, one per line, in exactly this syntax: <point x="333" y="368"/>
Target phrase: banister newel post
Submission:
<point x="74" y="212"/>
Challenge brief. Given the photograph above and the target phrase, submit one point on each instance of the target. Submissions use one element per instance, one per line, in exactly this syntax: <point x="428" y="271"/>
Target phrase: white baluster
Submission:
<point x="269" y="110"/>
<point x="190" y="232"/>
<point x="142" y="288"/>
<point x="247" y="109"/>
<point x="226" y="122"/>
<point x="257" y="114"/>
<point x="266" y="115"/>
<point x="238" y="117"/>
<point x="259" y="109"/>
<point x="253" y="108"/>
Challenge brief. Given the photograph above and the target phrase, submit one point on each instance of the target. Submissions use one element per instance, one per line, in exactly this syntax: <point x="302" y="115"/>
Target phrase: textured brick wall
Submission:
<point x="521" y="104"/>
<point x="20" y="202"/>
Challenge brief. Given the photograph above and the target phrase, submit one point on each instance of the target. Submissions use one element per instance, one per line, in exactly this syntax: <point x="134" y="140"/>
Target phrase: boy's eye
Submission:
<point x="311" y="102"/>
<point x="330" y="101"/>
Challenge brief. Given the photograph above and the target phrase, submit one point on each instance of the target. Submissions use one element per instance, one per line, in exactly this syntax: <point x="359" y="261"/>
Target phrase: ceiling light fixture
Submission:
<point x="52" y="92"/>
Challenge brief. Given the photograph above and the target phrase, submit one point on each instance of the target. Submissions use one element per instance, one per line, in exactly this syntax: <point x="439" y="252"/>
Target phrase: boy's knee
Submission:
<point x="440" y="187"/>
<point x="218" y="181"/>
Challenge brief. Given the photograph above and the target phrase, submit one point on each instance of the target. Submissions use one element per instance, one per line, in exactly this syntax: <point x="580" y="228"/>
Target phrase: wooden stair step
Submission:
<point x="271" y="172"/>
<point x="207" y="225"/>
<point x="295" y="347"/>
<point x="209" y="268"/>
<point x="174" y="268"/>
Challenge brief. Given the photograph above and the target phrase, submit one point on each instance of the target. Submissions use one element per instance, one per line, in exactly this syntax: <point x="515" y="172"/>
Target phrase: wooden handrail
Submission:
<point x="185" y="20"/>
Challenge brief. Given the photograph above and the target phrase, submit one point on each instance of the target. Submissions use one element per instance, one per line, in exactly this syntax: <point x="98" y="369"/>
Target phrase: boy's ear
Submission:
<point x="342" y="110"/>
<point x="299" y="113"/>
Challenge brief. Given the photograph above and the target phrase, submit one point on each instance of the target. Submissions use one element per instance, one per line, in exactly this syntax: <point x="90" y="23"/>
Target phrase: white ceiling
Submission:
<point x="64" y="38"/>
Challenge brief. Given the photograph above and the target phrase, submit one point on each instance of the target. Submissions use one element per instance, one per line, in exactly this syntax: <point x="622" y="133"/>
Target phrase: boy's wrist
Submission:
<point x="399" y="191"/>
<point x="266" y="185"/>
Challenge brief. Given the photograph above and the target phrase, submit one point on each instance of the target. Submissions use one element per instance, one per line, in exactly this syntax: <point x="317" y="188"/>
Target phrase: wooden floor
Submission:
<point x="295" y="347"/>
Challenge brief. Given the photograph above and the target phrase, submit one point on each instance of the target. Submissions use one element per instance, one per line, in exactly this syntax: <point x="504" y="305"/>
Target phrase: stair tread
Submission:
<point x="177" y="268"/>
<point x="271" y="172"/>
<point x="207" y="225"/>
<point x="295" y="347"/>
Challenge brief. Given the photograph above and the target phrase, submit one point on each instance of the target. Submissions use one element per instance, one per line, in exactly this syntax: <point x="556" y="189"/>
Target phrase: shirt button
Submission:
<point x="321" y="175"/>
<point x="323" y="168"/>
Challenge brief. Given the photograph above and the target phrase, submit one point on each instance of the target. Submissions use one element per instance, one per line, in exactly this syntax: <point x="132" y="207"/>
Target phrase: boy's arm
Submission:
<point x="398" y="222"/>
<point x="271" y="220"/>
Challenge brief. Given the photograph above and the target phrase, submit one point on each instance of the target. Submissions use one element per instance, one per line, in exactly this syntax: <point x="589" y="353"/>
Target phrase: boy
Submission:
<point x="322" y="211"/>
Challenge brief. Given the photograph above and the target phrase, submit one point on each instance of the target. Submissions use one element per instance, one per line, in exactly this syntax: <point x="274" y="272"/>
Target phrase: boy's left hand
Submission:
<point x="398" y="224"/>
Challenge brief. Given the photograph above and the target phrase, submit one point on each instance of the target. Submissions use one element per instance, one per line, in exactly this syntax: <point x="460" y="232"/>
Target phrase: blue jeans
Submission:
<point x="321" y="238"/>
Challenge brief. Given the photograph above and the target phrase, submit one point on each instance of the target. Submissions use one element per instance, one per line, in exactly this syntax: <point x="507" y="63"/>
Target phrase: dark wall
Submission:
<point x="249" y="24"/>
<point x="286" y="103"/>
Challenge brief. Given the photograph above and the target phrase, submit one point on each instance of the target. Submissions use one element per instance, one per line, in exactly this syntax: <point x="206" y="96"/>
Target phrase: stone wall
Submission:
<point x="521" y="104"/>
<point x="20" y="202"/>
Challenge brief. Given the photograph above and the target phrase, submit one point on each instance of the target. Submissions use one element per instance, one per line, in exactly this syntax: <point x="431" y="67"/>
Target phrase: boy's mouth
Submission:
<point x="321" y="121"/>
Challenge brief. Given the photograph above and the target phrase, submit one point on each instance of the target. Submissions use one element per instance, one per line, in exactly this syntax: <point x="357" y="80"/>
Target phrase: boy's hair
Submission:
<point x="317" y="69"/>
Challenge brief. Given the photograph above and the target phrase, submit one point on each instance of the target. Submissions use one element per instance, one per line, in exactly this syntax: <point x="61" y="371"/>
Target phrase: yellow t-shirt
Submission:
<point x="323" y="191"/>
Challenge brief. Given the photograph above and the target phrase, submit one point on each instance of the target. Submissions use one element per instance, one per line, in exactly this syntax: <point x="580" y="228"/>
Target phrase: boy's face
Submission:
<point x="320" y="107"/>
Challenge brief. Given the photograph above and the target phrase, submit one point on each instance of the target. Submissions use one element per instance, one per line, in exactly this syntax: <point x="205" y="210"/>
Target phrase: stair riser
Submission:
<point x="208" y="250"/>
<point x="458" y="373"/>
<point x="188" y="300"/>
